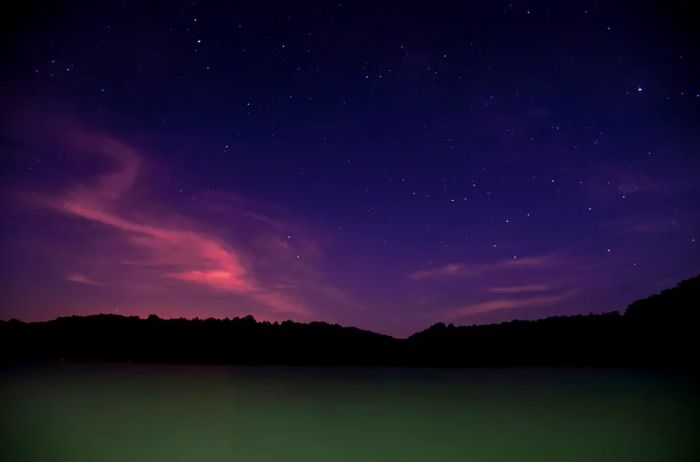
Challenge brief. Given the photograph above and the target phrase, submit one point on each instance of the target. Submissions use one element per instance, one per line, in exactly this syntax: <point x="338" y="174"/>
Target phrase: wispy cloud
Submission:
<point x="82" y="279"/>
<point x="652" y="227"/>
<point x="502" y="304"/>
<point x="175" y="250"/>
<point x="468" y="270"/>
<point x="646" y="225"/>
<point x="521" y="289"/>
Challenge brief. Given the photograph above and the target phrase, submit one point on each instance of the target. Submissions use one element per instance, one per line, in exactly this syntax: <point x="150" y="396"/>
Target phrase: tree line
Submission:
<point x="658" y="331"/>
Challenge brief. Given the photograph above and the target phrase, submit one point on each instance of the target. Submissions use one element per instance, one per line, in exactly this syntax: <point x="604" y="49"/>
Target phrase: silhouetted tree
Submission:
<point x="657" y="331"/>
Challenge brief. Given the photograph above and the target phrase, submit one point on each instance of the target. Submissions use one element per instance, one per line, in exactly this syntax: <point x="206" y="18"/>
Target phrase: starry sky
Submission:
<point x="382" y="165"/>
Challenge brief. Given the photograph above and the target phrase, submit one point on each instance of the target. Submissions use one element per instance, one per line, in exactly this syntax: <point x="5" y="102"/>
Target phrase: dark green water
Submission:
<point x="188" y="413"/>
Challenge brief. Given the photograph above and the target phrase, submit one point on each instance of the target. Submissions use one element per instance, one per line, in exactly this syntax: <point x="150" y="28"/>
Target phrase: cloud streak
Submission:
<point x="182" y="253"/>
<point x="470" y="270"/>
<point x="520" y="289"/>
<point x="82" y="279"/>
<point x="503" y="304"/>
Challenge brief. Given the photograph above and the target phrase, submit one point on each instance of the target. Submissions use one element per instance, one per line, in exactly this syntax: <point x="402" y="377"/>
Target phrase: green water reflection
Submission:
<point x="188" y="413"/>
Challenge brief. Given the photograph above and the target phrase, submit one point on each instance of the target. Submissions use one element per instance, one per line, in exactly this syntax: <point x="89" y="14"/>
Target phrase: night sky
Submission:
<point x="383" y="165"/>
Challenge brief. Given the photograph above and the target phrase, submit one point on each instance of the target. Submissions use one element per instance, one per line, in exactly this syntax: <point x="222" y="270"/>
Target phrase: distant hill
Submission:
<point x="658" y="331"/>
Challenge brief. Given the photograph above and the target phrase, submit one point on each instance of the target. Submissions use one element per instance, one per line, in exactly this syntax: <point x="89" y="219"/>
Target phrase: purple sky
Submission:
<point x="367" y="164"/>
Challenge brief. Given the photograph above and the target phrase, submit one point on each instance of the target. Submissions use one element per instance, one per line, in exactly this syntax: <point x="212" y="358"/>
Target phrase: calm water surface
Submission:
<point x="85" y="412"/>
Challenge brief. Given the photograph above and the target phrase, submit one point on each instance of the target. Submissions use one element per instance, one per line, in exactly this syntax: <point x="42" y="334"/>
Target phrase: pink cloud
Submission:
<point x="652" y="227"/>
<point x="491" y="306"/>
<point x="520" y="289"/>
<point x="644" y="225"/>
<point x="178" y="252"/>
<point x="468" y="270"/>
<point x="82" y="279"/>
<point x="451" y="269"/>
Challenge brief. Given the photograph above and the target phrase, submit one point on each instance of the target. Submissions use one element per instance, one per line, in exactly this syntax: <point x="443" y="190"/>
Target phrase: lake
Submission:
<point x="129" y="412"/>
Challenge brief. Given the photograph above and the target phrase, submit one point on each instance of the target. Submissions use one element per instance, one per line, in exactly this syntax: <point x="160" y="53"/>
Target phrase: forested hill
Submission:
<point x="658" y="331"/>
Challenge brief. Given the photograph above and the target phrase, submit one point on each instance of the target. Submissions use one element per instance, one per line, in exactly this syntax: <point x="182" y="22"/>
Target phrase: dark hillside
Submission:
<point x="658" y="331"/>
